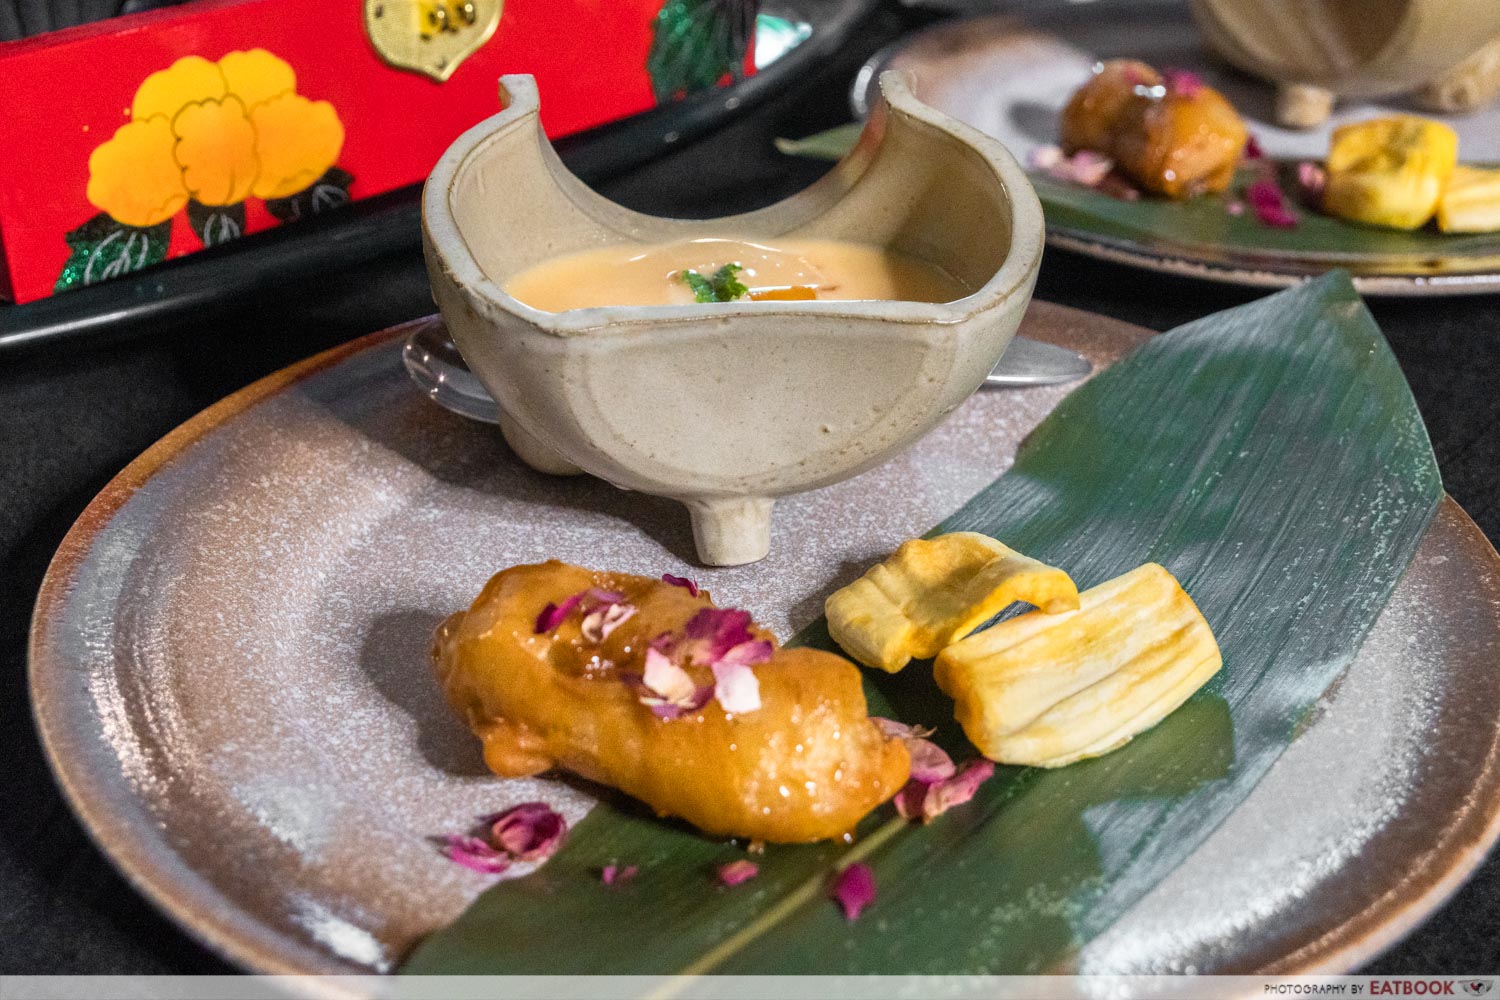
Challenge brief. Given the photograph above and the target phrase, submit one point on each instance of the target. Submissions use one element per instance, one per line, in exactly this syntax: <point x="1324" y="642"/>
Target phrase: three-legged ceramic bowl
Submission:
<point x="726" y="406"/>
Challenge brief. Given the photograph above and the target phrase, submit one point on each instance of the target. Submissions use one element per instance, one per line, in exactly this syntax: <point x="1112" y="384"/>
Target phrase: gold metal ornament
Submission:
<point x="431" y="37"/>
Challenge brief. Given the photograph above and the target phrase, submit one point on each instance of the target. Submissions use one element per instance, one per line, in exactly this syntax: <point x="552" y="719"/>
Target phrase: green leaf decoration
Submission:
<point x="329" y="192"/>
<point x="1271" y="457"/>
<point x="216" y="224"/>
<point x="103" y="248"/>
<point x="696" y="43"/>
<point x="721" y="286"/>
<point x="831" y="144"/>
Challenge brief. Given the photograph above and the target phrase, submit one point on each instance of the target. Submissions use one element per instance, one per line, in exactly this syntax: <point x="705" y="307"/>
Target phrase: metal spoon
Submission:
<point x="433" y="361"/>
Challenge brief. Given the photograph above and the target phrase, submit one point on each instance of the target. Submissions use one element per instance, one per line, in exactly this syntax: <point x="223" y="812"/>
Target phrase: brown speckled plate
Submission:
<point x="229" y="670"/>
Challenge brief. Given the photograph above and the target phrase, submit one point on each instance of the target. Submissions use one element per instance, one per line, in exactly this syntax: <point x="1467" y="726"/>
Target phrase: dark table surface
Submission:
<point x="72" y="417"/>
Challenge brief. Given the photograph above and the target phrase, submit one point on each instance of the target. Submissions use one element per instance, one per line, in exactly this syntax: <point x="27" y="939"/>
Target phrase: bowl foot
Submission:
<point x="533" y="452"/>
<point x="731" y="531"/>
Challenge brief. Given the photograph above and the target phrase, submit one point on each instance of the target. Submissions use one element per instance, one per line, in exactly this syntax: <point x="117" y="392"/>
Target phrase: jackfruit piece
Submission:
<point x="1049" y="690"/>
<point x="931" y="591"/>
<point x="1470" y="202"/>
<point x="1389" y="171"/>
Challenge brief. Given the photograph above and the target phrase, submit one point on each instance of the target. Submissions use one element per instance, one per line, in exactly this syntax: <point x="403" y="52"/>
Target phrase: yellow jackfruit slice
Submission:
<point x="1048" y="690"/>
<point x="1470" y="202"/>
<point x="932" y="591"/>
<point x="1389" y="171"/>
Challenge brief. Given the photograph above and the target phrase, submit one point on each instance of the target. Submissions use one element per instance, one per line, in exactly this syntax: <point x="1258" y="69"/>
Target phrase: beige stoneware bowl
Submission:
<point x="726" y="406"/>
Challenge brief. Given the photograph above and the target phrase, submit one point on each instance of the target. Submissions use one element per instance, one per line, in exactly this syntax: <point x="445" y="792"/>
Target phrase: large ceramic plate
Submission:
<point x="1010" y="75"/>
<point x="229" y="670"/>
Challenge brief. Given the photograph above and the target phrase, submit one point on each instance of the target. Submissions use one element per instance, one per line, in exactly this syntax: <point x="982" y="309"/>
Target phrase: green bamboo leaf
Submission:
<point x="696" y="43"/>
<point x="103" y="248"/>
<point x="1272" y="457"/>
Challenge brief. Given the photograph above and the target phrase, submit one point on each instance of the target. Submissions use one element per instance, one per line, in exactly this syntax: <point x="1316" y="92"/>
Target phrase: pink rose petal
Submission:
<point x="929" y="763"/>
<point x="531" y="831"/>
<point x="737" y="872"/>
<point x="1090" y="168"/>
<point x="666" y="680"/>
<point x="668" y="689"/>
<point x="1312" y="181"/>
<point x="681" y="581"/>
<point x="597" y="596"/>
<point x="1044" y="157"/>
<point x="736" y="687"/>
<point x="715" y="631"/>
<point x="1234" y="207"/>
<point x="604" y="619"/>
<point x="1269" y="205"/>
<point x="900" y="730"/>
<point x="908" y="801"/>
<point x="554" y="615"/>
<point x="1084" y="167"/>
<point x="958" y="789"/>
<point x="1182" y="81"/>
<point x="476" y="855"/>
<point x="615" y="874"/>
<point x="854" y="889"/>
<point x="666" y="710"/>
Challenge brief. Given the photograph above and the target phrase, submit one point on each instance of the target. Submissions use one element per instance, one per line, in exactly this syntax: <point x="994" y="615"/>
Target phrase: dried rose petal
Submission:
<point x="1182" y="81"/>
<point x="604" y="619"/>
<point x="476" y="855"/>
<point x="667" y="710"/>
<point x="1253" y="150"/>
<point x="736" y="687"/>
<point x="1269" y="205"/>
<point x="1044" y="157"/>
<point x="681" y="581"/>
<point x="1312" y="180"/>
<point x="530" y="831"/>
<point x="668" y="689"/>
<point x="1084" y="167"/>
<point x="1090" y="168"/>
<point x="929" y="763"/>
<point x="615" y="874"/>
<point x="737" y="872"/>
<point x="900" y="730"/>
<point x="554" y="615"/>
<point x="958" y="789"/>
<point x="716" y="631"/>
<point x="666" y="680"/>
<point x="854" y="889"/>
<point x="908" y="801"/>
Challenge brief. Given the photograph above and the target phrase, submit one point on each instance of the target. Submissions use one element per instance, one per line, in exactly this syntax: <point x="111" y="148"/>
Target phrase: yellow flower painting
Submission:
<point x="205" y="136"/>
<point x="215" y="133"/>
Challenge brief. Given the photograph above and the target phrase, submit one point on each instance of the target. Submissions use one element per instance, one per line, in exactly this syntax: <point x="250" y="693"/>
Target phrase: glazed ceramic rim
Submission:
<point x="443" y="239"/>
<point x="1234" y="269"/>
<point x="206" y="914"/>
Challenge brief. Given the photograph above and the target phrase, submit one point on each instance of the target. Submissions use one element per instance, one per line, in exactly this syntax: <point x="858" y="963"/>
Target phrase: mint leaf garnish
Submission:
<point x="723" y="286"/>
